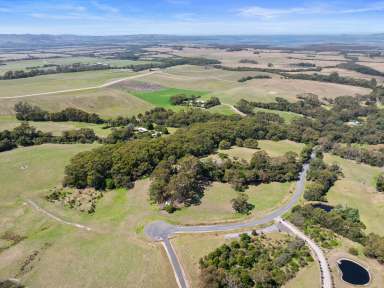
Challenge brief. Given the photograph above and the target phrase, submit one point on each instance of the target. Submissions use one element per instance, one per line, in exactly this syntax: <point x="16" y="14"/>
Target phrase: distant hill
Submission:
<point x="30" y="41"/>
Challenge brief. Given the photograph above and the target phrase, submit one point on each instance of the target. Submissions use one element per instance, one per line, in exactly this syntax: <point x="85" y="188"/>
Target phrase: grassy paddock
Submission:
<point x="108" y="102"/>
<point x="56" y="82"/>
<point x="357" y="190"/>
<point x="28" y="171"/>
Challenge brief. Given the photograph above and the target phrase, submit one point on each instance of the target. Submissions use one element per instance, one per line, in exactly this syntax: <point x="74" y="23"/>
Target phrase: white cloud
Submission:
<point x="257" y="11"/>
<point x="105" y="8"/>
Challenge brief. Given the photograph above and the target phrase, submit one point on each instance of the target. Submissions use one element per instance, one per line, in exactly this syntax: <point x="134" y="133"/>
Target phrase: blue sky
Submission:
<point x="191" y="17"/>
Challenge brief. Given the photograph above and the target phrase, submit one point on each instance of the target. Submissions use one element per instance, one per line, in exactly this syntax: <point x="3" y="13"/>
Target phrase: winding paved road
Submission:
<point x="162" y="231"/>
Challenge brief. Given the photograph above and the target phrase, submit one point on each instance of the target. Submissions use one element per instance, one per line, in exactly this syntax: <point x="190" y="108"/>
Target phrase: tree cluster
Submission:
<point x="71" y="68"/>
<point x="334" y="77"/>
<point x="254" y="261"/>
<point x="248" y="78"/>
<point x="127" y="162"/>
<point x="344" y="221"/>
<point x="360" y="69"/>
<point x="322" y="177"/>
<point x="178" y="183"/>
<point x="27" y="112"/>
<point x="26" y="135"/>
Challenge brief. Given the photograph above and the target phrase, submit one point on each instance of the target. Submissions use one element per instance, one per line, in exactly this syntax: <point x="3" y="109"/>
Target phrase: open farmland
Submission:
<point x="150" y="185"/>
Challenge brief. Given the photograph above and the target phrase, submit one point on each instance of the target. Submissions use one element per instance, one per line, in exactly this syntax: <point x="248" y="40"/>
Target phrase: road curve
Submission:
<point x="161" y="231"/>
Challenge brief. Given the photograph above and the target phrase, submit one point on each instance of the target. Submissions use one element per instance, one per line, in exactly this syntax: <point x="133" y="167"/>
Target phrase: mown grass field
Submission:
<point x="308" y="276"/>
<point x="287" y="116"/>
<point x="273" y="148"/>
<point x="107" y="102"/>
<point x="57" y="82"/>
<point x="357" y="189"/>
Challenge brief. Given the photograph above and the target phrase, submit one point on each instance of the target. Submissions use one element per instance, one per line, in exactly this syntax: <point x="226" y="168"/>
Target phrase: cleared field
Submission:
<point x="307" y="277"/>
<point x="357" y="190"/>
<point x="56" y="128"/>
<point x="279" y="148"/>
<point x="225" y="85"/>
<point x="33" y="169"/>
<point x="190" y="248"/>
<point x="223" y="109"/>
<point x="108" y="102"/>
<point x="287" y="116"/>
<point x="57" y="82"/>
<point x="162" y="97"/>
<point x="273" y="148"/>
<point x="278" y="58"/>
<point x="266" y="90"/>
<point x="216" y="204"/>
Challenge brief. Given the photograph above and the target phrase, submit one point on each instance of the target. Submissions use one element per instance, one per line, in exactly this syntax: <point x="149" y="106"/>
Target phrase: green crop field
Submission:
<point x="162" y="97"/>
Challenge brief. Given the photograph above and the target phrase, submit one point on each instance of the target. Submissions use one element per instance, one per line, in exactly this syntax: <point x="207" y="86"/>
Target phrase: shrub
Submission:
<point x="225" y="145"/>
<point x="353" y="251"/>
<point x="251" y="143"/>
<point x="240" y="204"/>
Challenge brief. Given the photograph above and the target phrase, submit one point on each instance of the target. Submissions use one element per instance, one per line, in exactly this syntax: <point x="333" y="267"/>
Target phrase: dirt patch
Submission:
<point x="83" y="200"/>
<point x="31" y="259"/>
<point x="138" y="86"/>
<point x="10" y="239"/>
<point x="10" y="283"/>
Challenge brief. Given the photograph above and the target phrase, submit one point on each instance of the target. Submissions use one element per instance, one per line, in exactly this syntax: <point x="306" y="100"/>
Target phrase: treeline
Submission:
<point x="322" y="177"/>
<point x="266" y="70"/>
<point x="343" y="221"/>
<point x="71" y="68"/>
<point x="254" y="261"/>
<point x="81" y="67"/>
<point x="304" y="64"/>
<point x="248" y="78"/>
<point x="360" y="68"/>
<point x="26" y="135"/>
<point x="331" y="124"/>
<point x="127" y="162"/>
<point x="362" y="155"/>
<point x="334" y="77"/>
<point x="170" y="62"/>
<point x="166" y="117"/>
<point x="27" y="112"/>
